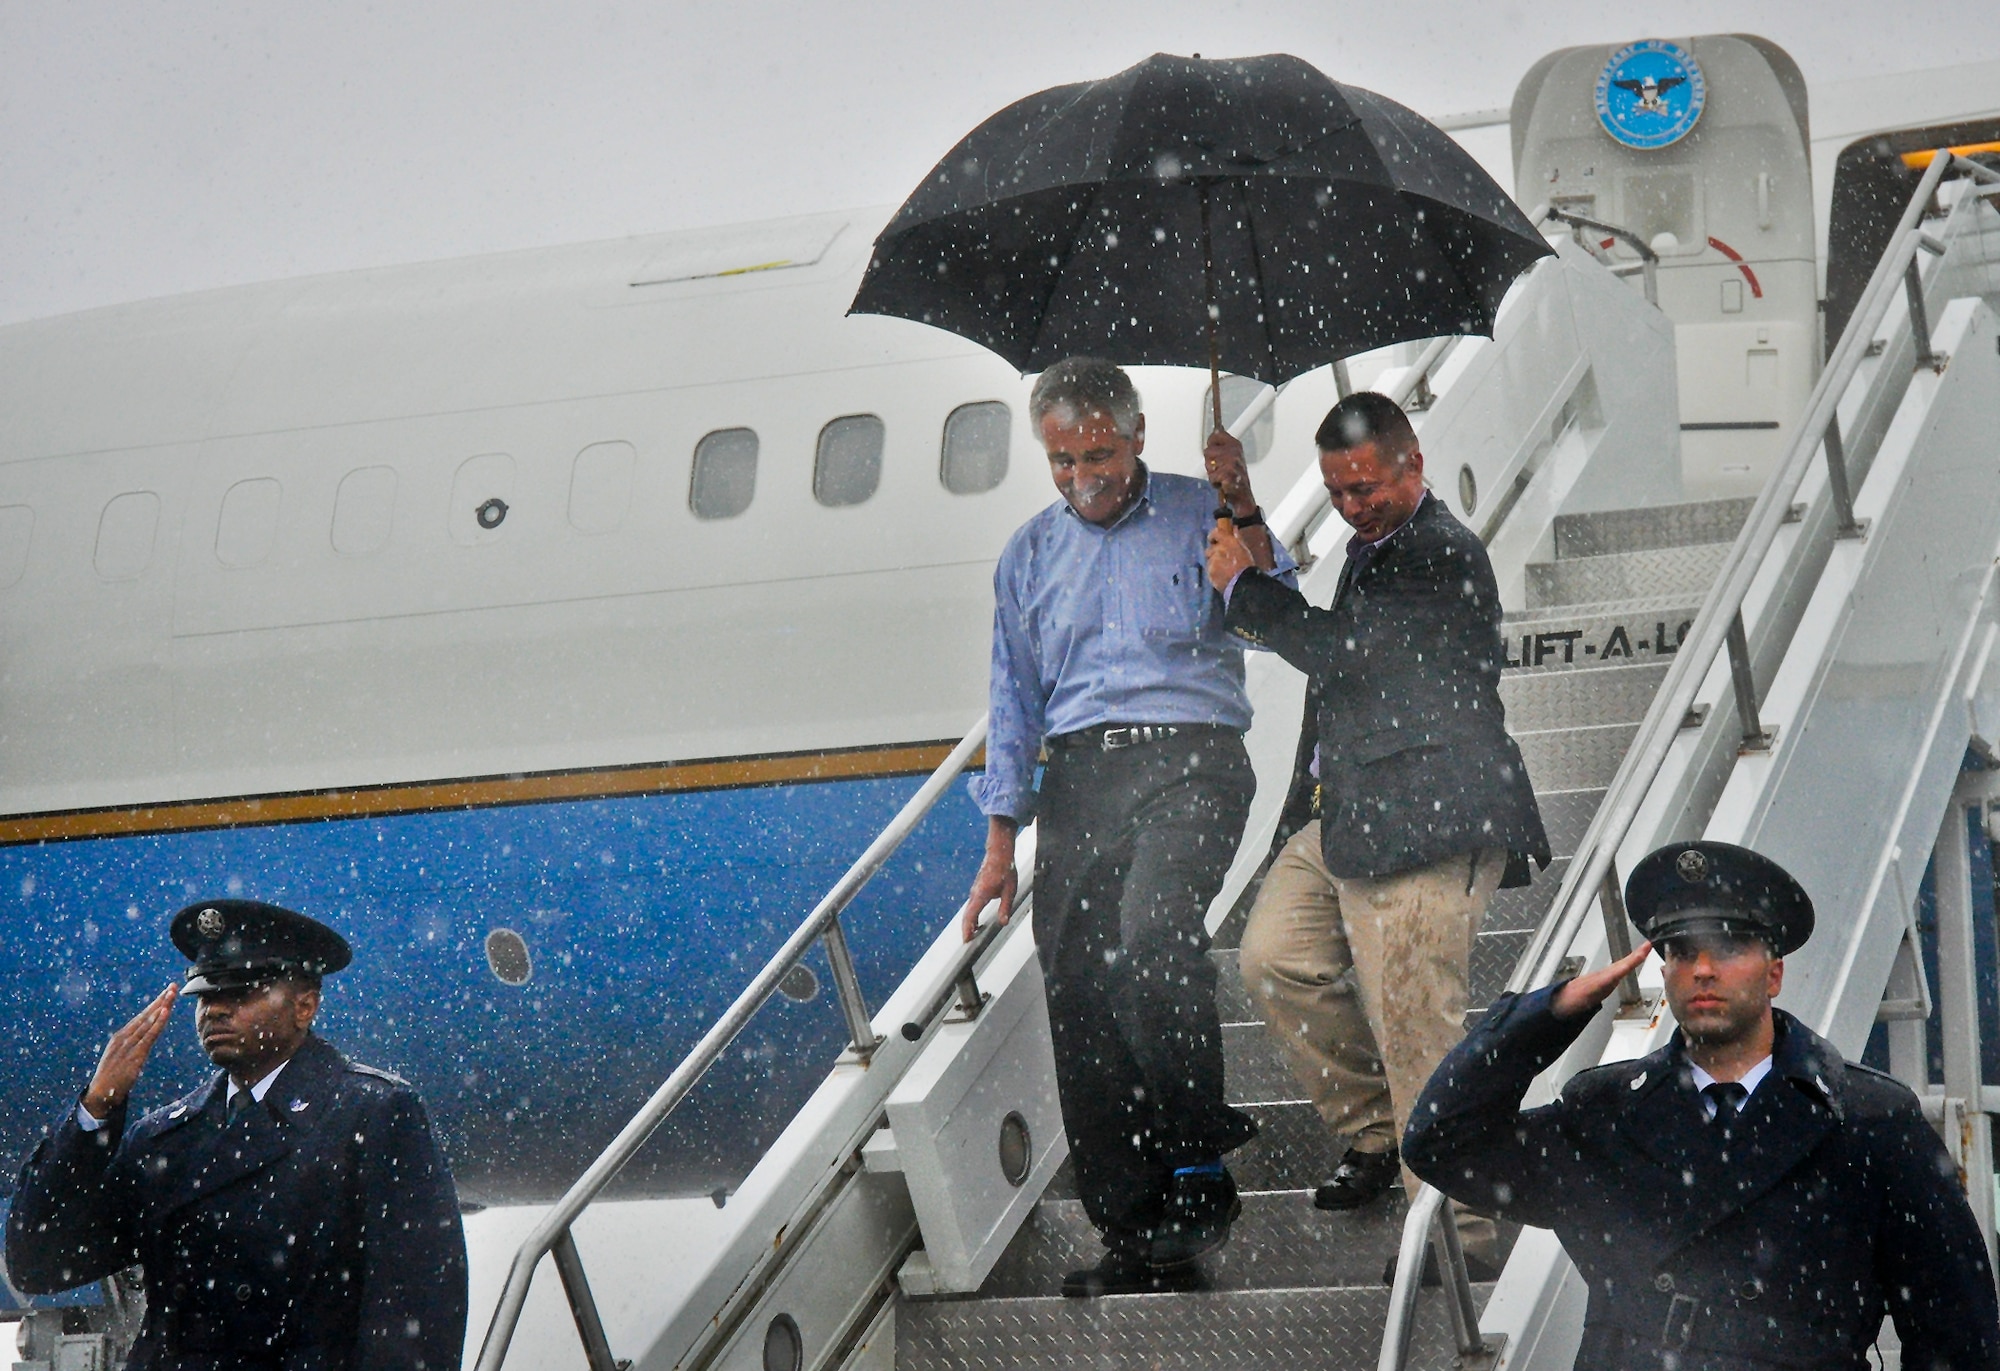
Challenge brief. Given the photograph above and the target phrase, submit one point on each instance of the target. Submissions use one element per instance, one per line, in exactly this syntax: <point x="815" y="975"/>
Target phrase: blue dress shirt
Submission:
<point x="1110" y="625"/>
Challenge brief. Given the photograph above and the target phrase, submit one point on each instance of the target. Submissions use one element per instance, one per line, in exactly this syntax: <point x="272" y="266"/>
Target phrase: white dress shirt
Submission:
<point x="1749" y="1081"/>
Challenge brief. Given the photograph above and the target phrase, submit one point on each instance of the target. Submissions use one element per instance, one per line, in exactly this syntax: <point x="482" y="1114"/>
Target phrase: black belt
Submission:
<point x="1113" y="737"/>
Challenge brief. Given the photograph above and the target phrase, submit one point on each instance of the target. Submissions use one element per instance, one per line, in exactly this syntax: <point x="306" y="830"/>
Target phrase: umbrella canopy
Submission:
<point x="1072" y="222"/>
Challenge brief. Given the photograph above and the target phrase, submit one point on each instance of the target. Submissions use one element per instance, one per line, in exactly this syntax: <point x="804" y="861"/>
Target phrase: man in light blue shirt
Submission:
<point x="1109" y="651"/>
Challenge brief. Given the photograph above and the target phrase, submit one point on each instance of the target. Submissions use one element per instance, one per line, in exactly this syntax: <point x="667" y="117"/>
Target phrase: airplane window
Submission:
<point x="600" y="487"/>
<point x="976" y="438"/>
<point x="1664" y="202"/>
<point x="125" y="534"/>
<point x="848" y="466"/>
<point x="507" y="957"/>
<point x="1237" y="393"/>
<point x="249" y="522"/>
<point x="363" y="509"/>
<point x="725" y="473"/>
<point x="17" y="528"/>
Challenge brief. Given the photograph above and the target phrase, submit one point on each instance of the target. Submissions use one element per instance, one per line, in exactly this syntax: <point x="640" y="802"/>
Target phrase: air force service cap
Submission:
<point x="239" y="943"/>
<point x="1686" y="887"/>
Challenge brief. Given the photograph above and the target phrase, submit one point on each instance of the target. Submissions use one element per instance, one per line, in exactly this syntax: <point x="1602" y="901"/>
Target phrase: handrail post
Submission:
<point x="1755" y="737"/>
<point x="583" y="1305"/>
<point x="1920" y="325"/>
<point x="1836" y="481"/>
<point x="1457" y="1284"/>
<point x="1409" y="1279"/>
<point x="847" y="984"/>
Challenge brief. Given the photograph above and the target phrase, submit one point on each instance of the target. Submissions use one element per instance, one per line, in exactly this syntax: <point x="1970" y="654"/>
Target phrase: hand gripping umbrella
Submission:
<point x="1249" y="214"/>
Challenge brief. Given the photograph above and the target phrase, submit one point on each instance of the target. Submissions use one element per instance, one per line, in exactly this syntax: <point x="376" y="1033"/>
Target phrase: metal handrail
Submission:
<point x="1718" y="622"/>
<point x="552" y="1235"/>
<point x="1649" y="260"/>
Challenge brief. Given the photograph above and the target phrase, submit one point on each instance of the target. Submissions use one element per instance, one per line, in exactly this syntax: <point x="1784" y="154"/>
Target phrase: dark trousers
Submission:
<point x="1132" y="846"/>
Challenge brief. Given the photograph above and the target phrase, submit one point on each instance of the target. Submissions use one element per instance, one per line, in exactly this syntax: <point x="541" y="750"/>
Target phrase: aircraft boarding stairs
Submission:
<point x="1803" y="672"/>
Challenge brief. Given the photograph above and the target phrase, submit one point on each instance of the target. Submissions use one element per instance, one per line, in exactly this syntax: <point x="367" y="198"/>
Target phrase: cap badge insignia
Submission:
<point x="1693" y="866"/>
<point x="297" y="1106"/>
<point x="210" y="923"/>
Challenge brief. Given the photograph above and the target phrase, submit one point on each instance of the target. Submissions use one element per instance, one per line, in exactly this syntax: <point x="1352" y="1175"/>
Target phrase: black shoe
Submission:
<point x="1477" y="1269"/>
<point x="1200" y="1207"/>
<point x="1360" y="1179"/>
<point x="1124" y="1272"/>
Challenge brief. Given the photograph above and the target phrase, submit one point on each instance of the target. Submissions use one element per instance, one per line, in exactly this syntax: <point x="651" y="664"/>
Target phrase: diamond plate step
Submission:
<point x="1570" y="638"/>
<point x="1543" y="700"/>
<point x="1520" y="909"/>
<point x="1566" y="814"/>
<point x="1230" y="997"/>
<point x="1638" y="530"/>
<point x="1625" y="575"/>
<point x="1494" y="956"/>
<point x="1292" y="1149"/>
<point x="1253" y="1068"/>
<point x="1337" y="1329"/>
<point x="1280" y="1243"/>
<point x="1575" y="758"/>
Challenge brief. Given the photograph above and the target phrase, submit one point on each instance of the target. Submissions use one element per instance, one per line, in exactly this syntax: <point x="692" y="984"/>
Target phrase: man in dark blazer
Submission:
<point x="1741" y="1198"/>
<point x="1358" y="945"/>
<point x="293" y="1213"/>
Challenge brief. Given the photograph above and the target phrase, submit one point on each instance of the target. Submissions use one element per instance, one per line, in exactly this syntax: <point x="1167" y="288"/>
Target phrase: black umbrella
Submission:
<point x="1312" y="219"/>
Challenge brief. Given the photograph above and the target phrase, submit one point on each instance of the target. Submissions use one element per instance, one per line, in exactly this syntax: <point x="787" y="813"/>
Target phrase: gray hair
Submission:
<point x="1077" y="386"/>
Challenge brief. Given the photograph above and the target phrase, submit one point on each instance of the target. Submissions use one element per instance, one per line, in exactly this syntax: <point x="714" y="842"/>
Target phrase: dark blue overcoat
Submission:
<point x="1780" y="1241"/>
<point x="318" y="1230"/>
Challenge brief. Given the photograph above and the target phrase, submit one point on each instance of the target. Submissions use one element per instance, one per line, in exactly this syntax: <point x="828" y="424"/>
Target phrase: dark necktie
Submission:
<point x="241" y="1103"/>
<point x="1728" y="1097"/>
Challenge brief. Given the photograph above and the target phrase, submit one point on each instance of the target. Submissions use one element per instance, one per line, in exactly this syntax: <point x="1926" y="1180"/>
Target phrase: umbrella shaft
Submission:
<point x="1208" y="284"/>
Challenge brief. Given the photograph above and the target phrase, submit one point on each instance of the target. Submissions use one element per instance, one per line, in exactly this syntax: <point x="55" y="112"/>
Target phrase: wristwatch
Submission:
<point x="1254" y="519"/>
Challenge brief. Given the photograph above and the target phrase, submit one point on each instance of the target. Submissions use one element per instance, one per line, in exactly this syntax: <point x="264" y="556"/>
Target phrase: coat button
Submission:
<point x="1663" y="1282"/>
<point x="243" y="1291"/>
<point x="1749" y="1290"/>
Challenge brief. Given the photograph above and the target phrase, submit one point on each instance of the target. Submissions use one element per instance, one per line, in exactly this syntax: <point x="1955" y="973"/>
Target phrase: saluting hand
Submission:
<point x="1584" y="993"/>
<point x="125" y="1055"/>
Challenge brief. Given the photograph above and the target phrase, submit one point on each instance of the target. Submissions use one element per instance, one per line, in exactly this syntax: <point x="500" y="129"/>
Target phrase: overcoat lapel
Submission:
<point x="226" y="1150"/>
<point x="1782" y="1124"/>
<point x="221" y="1153"/>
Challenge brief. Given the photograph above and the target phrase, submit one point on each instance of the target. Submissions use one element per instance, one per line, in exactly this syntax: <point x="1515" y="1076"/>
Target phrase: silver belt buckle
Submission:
<point x="1115" y="738"/>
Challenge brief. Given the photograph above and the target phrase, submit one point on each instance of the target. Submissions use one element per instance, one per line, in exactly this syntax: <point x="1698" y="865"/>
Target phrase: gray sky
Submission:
<point x="150" y="149"/>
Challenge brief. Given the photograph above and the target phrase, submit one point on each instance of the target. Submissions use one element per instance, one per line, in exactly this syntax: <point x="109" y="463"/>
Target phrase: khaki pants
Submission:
<point x="1363" y="982"/>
